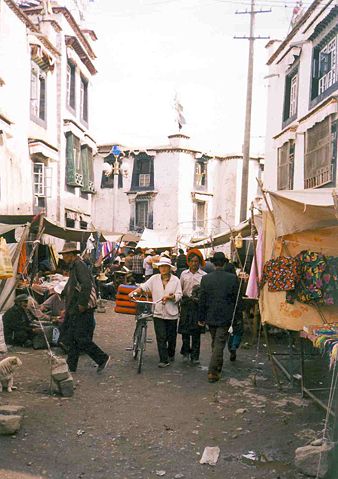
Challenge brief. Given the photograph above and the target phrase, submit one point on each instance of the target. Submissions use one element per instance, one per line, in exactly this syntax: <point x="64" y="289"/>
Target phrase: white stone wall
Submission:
<point x="276" y="136"/>
<point x="16" y="171"/>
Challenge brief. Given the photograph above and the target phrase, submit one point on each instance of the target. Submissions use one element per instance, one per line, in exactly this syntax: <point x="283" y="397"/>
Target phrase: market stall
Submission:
<point x="299" y="282"/>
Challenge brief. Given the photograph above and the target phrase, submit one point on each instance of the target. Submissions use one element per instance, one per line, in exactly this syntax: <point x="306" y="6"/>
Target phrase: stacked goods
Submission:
<point x="123" y="303"/>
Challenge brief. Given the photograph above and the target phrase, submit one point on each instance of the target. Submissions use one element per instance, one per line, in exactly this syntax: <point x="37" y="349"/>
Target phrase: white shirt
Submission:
<point x="189" y="280"/>
<point x="154" y="286"/>
<point x="147" y="266"/>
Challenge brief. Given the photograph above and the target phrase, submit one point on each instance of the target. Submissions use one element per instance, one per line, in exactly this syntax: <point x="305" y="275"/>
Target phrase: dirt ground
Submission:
<point x="124" y="425"/>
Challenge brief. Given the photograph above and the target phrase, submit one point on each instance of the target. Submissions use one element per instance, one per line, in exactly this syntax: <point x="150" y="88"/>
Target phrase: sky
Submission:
<point x="148" y="50"/>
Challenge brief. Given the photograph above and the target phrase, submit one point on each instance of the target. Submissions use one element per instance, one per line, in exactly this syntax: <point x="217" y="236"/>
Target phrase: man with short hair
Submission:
<point x="218" y="294"/>
<point x="80" y="298"/>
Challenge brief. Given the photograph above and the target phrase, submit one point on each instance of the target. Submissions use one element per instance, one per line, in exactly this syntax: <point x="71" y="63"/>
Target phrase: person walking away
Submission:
<point x="148" y="263"/>
<point x="80" y="301"/>
<point x="181" y="262"/>
<point x="189" y="322"/>
<point x="165" y="288"/>
<point x="137" y="266"/>
<point x="235" y="337"/>
<point x="218" y="296"/>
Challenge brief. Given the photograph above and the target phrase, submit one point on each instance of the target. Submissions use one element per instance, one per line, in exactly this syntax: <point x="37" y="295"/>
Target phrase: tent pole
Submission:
<point x="270" y="355"/>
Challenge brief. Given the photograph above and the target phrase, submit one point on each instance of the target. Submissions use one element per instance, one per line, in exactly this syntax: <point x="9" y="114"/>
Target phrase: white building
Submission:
<point x="46" y="70"/>
<point x="301" y="138"/>
<point x="171" y="187"/>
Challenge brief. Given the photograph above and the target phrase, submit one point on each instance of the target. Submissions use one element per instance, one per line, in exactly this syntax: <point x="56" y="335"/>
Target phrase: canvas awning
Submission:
<point x="296" y="211"/>
<point x="224" y="238"/>
<point x="158" y="239"/>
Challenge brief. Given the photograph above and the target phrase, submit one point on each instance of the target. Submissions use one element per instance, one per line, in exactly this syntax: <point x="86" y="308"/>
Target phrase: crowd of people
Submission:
<point x="192" y="295"/>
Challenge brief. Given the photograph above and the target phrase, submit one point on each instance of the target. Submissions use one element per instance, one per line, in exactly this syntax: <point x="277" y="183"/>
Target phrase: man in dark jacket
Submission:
<point x="80" y="299"/>
<point x="18" y="329"/>
<point x="218" y="294"/>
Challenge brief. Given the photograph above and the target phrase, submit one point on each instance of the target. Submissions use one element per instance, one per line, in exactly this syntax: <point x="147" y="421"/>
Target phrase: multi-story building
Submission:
<point x="301" y="139"/>
<point x="171" y="187"/>
<point x="46" y="70"/>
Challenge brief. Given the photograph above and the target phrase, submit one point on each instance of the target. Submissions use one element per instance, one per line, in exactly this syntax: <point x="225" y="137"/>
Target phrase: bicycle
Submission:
<point x="144" y="313"/>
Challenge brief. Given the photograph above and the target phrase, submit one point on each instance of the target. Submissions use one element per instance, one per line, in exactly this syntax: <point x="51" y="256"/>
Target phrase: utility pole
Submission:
<point x="247" y="129"/>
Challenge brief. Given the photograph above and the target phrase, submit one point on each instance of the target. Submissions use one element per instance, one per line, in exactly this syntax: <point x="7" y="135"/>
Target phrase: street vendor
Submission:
<point x="18" y="327"/>
<point x="167" y="292"/>
<point x="188" y="324"/>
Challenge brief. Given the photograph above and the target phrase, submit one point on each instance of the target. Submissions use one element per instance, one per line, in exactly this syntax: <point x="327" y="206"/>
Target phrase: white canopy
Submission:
<point x="296" y="211"/>
<point x="158" y="239"/>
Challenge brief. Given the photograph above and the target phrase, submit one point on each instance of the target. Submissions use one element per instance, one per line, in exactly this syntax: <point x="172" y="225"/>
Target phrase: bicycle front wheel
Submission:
<point x="141" y="349"/>
<point x="137" y="340"/>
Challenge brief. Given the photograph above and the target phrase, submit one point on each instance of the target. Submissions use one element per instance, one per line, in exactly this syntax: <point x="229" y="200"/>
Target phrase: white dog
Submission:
<point x="7" y="367"/>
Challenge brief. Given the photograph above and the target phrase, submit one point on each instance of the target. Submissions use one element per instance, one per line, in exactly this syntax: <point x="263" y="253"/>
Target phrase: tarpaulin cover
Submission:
<point x="158" y="239"/>
<point x="223" y="238"/>
<point x="303" y="210"/>
<point x="273" y="307"/>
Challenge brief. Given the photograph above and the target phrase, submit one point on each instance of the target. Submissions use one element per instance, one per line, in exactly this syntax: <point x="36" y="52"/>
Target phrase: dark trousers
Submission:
<point x="80" y="335"/>
<point x="166" y="333"/>
<point x="138" y="277"/>
<point x="219" y="335"/>
<point x="234" y="341"/>
<point x="191" y="344"/>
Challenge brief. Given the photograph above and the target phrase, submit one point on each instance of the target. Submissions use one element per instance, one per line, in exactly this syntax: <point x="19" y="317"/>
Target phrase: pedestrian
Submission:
<point x="137" y="266"/>
<point x="148" y="263"/>
<point x="189" y="323"/>
<point x="181" y="262"/>
<point x="235" y="337"/>
<point x="80" y="299"/>
<point x="218" y="296"/>
<point x="166" y="293"/>
<point x="128" y="262"/>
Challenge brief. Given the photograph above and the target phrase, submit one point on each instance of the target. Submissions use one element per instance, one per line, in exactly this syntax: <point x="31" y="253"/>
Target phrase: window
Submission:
<point x="144" y="179"/>
<point x="290" y="96"/>
<point x="141" y="214"/>
<point x="200" y="174"/>
<point x="286" y="155"/>
<point x="42" y="180"/>
<point x="74" y="175"/>
<point x="199" y="220"/>
<point x="143" y="172"/>
<point x="38" y="94"/>
<point x="71" y="71"/>
<point x="319" y="158"/>
<point x="84" y="100"/>
<point x="324" y="68"/>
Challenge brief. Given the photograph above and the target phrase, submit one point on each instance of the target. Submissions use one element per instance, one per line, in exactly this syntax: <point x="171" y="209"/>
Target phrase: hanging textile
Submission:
<point x="22" y="260"/>
<point x="6" y="267"/>
<point x="281" y="273"/>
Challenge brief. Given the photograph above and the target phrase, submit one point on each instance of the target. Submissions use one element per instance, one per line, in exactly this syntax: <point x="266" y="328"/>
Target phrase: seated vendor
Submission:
<point x="55" y="304"/>
<point x="18" y="328"/>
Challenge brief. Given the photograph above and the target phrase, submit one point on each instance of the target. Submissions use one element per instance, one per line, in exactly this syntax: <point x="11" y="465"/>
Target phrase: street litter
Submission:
<point x="80" y="432"/>
<point x="210" y="455"/>
<point x="160" y="473"/>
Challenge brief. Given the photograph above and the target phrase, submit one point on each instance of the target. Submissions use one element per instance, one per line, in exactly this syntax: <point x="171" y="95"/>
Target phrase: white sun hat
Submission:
<point x="164" y="261"/>
<point x="58" y="288"/>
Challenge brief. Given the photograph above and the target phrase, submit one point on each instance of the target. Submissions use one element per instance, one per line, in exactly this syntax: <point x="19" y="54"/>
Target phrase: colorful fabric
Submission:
<point x="281" y="273"/>
<point x="330" y="281"/>
<point x="309" y="288"/>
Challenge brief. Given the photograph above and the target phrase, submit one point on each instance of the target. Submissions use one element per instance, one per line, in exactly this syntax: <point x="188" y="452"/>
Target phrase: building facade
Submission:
<point x="46" y="70"/>
<point x="171" y="187"/>
<point x="301" y="138"/>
